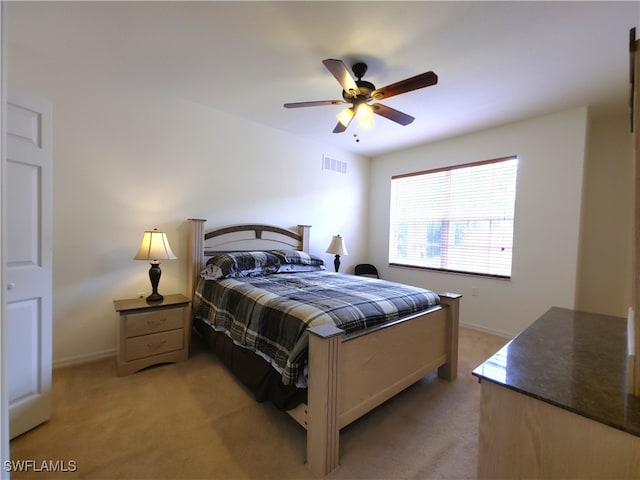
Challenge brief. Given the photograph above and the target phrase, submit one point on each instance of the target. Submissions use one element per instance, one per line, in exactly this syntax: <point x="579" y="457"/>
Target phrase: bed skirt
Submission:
<point x="250" y="369"/>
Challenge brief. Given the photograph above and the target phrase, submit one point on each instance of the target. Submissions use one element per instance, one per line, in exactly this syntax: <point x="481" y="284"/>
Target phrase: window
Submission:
<point x="457" y="219"/>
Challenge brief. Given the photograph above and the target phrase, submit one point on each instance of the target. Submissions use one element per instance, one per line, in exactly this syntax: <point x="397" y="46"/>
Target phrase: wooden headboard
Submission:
<point x="237" y="238"/>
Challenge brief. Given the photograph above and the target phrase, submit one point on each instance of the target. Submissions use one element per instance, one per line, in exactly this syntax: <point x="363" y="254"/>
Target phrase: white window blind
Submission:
<point x="457" y="219"/>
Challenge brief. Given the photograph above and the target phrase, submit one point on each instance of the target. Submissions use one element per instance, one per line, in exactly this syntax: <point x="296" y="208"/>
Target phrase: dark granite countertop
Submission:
<point x="573" y="360"/>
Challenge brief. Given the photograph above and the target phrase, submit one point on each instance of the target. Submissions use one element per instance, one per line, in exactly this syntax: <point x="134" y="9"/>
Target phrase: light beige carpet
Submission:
<point x="192" y="420"/>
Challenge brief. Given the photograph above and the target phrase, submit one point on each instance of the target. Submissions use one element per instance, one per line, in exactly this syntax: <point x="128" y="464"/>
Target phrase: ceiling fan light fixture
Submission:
<point x="345" y="116"/>
<point x="364" y="114"/>
<point x="365" y="124"/>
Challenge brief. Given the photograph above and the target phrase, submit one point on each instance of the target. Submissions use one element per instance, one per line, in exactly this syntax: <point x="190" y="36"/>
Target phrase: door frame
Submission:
<point x="4" y="400"/>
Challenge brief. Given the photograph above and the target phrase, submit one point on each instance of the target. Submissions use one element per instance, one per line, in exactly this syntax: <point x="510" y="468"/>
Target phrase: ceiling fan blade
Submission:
<point x="414" y="83"/>
<point x="339" y="70"/>
<point x="319" y="103"/>
<point x="339" y="128"/>
<point x="392" y="114"/>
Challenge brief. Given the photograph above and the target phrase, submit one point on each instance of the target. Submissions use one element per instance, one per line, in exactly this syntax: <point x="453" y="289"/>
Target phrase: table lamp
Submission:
<point x="154" y="247"/>
<point x="337" y="247"/>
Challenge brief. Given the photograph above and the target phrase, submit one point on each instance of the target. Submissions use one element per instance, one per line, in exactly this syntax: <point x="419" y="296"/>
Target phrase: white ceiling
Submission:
<point x="496" y="61"/>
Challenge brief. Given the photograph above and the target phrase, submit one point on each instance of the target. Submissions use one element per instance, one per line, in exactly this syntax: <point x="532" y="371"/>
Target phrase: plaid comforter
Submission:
<point x="270" y="314"/>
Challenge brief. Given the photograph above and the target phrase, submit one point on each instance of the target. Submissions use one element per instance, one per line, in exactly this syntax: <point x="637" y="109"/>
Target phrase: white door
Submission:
<point x="27" y="186"/>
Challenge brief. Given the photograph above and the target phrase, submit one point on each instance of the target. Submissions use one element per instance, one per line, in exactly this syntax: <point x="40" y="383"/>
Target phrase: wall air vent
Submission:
<point x="334" y="165"/>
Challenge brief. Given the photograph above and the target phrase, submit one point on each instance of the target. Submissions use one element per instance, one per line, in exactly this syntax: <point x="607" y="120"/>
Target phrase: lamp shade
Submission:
<point x="337" y="246"/>
<point x="154" y="246"/>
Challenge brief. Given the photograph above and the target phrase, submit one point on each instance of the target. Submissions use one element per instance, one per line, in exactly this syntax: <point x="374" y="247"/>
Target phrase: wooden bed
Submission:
<point x="348" y="375"/>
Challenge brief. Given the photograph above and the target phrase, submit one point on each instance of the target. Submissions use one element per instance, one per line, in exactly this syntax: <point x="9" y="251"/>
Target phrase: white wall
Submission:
<point x="551" y="152"/>
<point x="606" y="239"/>
<point x="127" y="160"/>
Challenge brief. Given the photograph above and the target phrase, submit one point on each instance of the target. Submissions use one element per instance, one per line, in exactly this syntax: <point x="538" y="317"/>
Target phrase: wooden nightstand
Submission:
<point x="152" y="333"/>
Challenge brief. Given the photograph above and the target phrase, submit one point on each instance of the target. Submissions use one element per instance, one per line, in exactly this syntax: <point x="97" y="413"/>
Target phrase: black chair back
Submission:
<point x="367" y="270"/>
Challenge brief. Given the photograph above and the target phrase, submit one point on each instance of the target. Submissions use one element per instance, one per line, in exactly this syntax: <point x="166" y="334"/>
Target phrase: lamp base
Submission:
<point x="154" y="276"/>
<point x="155" y="297"/>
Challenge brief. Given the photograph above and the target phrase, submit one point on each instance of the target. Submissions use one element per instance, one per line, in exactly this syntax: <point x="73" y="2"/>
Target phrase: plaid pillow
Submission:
<point x="240" y="264"/>
<point x="297" y="257"/>
<point x="298" y="267"/>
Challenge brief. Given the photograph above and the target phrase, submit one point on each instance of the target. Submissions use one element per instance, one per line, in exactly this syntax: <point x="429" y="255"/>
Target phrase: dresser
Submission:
<point x="152" y="333"/>
<point x="555" y="403"/>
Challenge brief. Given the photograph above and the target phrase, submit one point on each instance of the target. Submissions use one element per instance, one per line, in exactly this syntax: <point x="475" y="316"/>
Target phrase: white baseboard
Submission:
<point x="80" y="359"/>
<point x="92" y="357"/>
<point x="490" y="331"/>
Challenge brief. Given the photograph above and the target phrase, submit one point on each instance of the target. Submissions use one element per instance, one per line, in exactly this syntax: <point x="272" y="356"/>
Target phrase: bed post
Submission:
<point x="195" y="255"/>
<point x="323" y="432"/>
<point x="451" y="302"/>
<point x="303" y="230"/>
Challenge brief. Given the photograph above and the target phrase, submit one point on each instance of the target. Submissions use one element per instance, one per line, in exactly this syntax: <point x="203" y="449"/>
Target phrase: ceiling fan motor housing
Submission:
<point x="364" y="95"/>
<point x="366" y="88"/>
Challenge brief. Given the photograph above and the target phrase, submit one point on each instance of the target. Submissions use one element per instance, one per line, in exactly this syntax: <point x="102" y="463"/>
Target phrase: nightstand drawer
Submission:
<point x="143" y="323"/>
<point x="153" y="344"/>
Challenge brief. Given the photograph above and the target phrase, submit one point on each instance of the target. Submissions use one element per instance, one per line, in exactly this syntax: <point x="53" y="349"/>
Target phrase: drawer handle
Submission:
<point x="156" y="346"/>
<point x="156" y="323"/>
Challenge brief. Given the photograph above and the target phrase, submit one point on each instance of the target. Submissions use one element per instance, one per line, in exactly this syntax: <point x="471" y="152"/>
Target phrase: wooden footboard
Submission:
<point x="351" y="375"/>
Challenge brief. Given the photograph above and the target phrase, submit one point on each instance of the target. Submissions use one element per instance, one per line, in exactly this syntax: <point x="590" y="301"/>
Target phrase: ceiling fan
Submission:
<point x="359" y="93"/>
